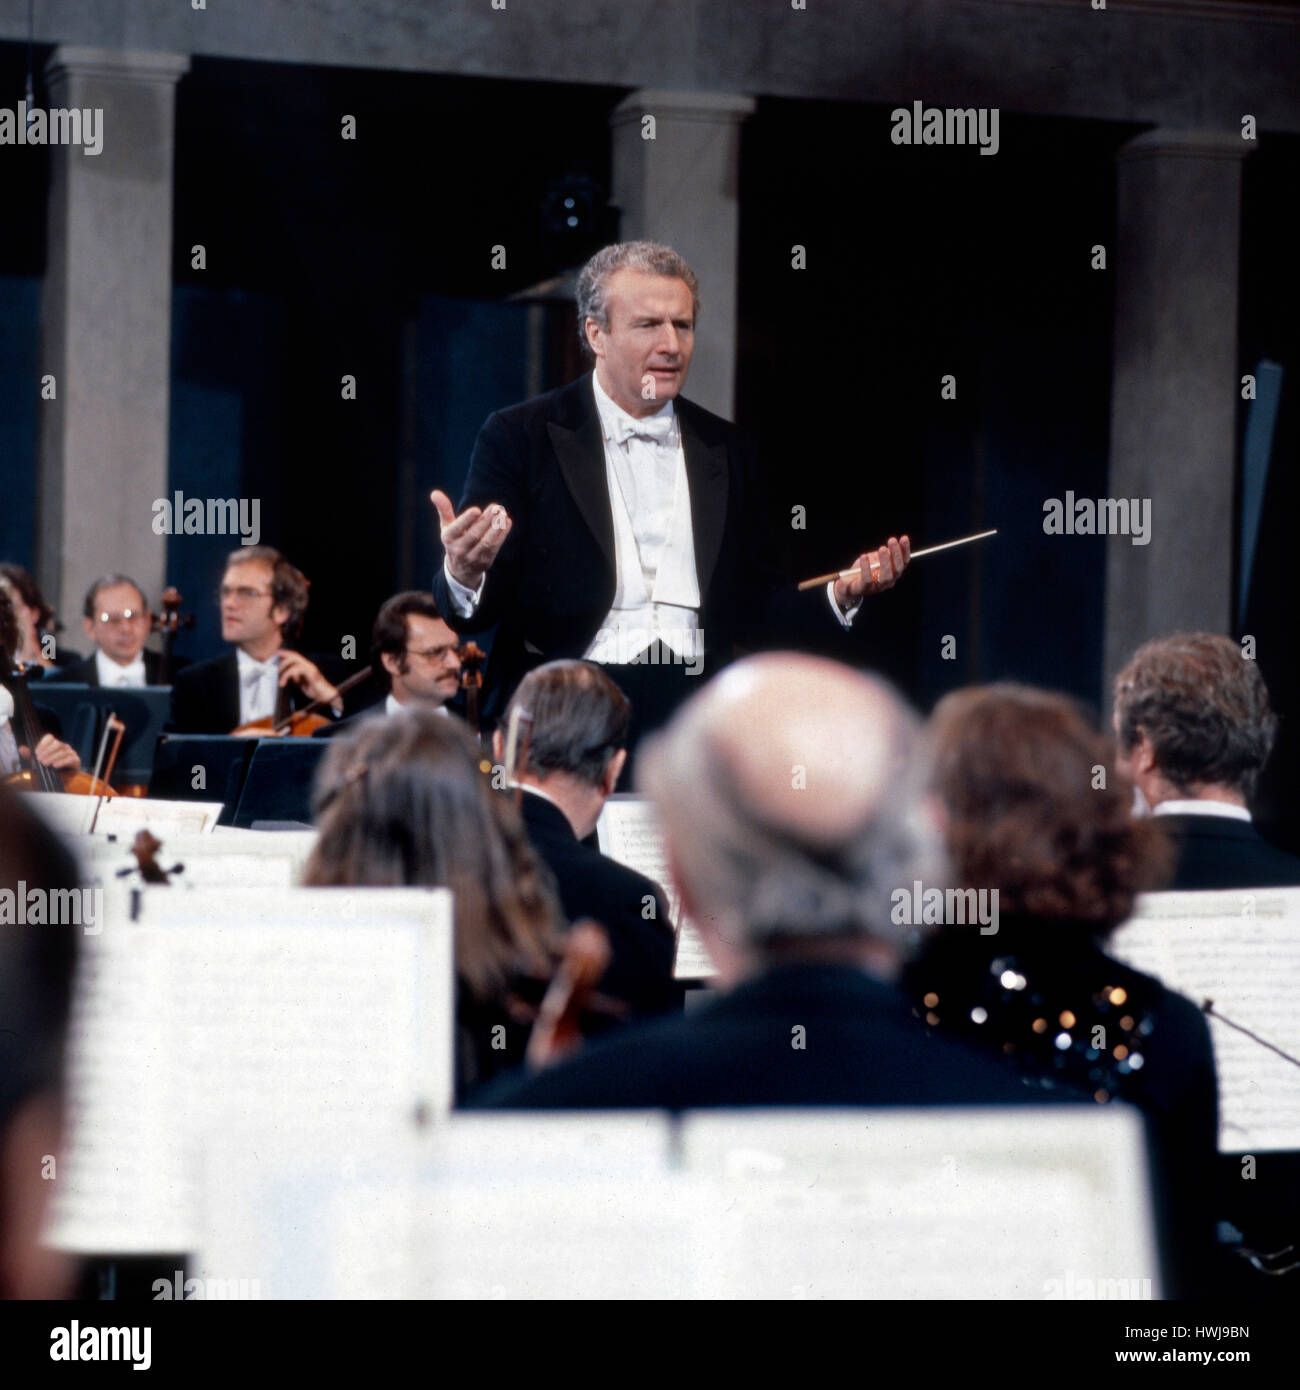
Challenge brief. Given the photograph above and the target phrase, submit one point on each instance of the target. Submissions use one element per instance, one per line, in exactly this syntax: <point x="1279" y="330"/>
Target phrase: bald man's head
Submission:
<point x="792" y="801"/>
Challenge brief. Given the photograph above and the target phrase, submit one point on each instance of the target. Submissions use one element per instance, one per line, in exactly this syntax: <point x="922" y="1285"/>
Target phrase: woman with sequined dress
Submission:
<point x="1034" y="810"/>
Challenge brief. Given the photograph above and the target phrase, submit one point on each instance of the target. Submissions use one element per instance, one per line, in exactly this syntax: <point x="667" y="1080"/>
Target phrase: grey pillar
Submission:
<point x="106" y="326"/>
<point x="1175" y="385"/>
<point x="682" y="188"/>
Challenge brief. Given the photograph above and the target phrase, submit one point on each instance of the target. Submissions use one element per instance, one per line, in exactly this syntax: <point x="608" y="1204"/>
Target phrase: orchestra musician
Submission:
<point x="414" y="653"/>
<point x="567" y="768"/>
<point x="790" y="889"/>
<point x="50" y="748"/>
<point x="36" y="975"/>
<point x="614" y="520"/>
<point x="38" y="651"/>
<point x="117" y="620"/>
<point x="423" y="773"/>
<point x="263" y="601"/>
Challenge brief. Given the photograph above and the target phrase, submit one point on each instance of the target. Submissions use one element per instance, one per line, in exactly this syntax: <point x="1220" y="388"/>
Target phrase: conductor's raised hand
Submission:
<point x="471" y="540"/>
<point x="878" y="570"/>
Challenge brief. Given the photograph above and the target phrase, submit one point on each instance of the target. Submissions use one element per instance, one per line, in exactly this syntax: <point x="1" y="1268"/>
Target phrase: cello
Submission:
<point x="39" y="776"/>
<point x="169" y="622"/>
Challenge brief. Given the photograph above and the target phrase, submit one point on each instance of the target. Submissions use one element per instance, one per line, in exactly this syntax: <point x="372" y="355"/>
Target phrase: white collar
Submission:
<point x="392" y="705"/>
<point x="610" y="411"/>
<point x="537" y="791"/>
<point x="248" y="664"/>
<point x="110" y="672"/>
<point x="1202" y="808"/>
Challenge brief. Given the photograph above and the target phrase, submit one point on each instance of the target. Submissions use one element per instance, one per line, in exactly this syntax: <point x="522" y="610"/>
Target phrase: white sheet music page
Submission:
<point x="279" y="1019"/>
<point x="939" y="1203"/>
<point x="1240" y="949"/>
<point x="629" y="831"/>
<point x="121" y="1183"/>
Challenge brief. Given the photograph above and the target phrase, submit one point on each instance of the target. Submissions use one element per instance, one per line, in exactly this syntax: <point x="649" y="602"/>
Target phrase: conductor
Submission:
<point x="614" y="520"/>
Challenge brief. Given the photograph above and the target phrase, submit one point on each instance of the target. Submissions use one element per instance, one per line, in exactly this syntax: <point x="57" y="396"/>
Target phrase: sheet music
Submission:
<point x="629" y="831"/>
<point x="969" y="1202"/>
<point x="124" y="815"/>
<point x="1242" y="950"/>
<point x="954" y="1202"/>
<point x="120" y="1184"/>
<point x="275" y="1019"/>
<point x="246" y="858"/>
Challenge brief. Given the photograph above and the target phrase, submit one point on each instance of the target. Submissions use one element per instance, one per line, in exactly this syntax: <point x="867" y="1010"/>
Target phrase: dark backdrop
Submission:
<point x="372" y="258"/>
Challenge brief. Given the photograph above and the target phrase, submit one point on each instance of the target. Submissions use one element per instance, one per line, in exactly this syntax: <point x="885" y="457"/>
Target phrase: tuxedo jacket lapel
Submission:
<point x="581" y="454"/>
<point x="706" y="473"/>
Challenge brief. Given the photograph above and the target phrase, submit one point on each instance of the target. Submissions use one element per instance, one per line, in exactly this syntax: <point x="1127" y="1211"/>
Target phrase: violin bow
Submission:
<point x="284" y="721"/>
<point x="104" y="761"/>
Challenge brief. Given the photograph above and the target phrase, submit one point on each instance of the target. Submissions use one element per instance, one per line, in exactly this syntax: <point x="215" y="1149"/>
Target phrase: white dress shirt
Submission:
<point x="1202" y="808"/>
<point x="259" y="683"/>
<point x="112" y="675"/>
<point x="392" y="705"/>
<point x="656" y="587"/>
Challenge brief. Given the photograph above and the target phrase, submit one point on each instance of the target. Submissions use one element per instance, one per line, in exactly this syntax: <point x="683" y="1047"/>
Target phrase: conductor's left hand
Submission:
<point x="880" y="570"/>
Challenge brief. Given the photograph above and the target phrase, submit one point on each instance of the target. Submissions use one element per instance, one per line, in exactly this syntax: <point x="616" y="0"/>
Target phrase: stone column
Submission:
<point x="682" y="188"/>
<point x="106" y="326"/>
<point x="1176" y="385"/>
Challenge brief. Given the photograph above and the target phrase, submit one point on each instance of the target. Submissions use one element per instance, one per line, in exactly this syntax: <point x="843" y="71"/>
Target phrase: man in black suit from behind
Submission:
<point x="575" y="751"/>
<point x="117" y="621"/>
<point x="1195" y="728"/>
<point x="791" y="800"/>
<point x="616" y="521"/>
<point x="263" y="601"/>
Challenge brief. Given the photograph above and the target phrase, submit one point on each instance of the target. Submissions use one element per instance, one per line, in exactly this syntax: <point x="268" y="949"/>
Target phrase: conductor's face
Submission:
<point x="643" y="357"/>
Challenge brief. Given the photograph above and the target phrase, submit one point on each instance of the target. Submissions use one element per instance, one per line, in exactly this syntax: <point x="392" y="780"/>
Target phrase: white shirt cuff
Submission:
<point x="845" y="619"/>
<point x="464" y="600"/>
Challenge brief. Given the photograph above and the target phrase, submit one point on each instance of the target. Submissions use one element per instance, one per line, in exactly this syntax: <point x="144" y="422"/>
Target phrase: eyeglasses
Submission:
<point x="434" y="653"/>
<point x="241" y="592"/>
<point x="128" y="615"/>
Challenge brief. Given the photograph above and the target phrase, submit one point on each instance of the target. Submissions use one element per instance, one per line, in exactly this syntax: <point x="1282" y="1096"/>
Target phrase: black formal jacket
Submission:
<point x="1222" y="852"/>
<point x="552" y="584"/>
<point x="862" y="1047"/>
<point x="593" y="885"/>
<point x="205" y="696"/>
<point x="1066" y="975"/>
<point x="87" y="672"/>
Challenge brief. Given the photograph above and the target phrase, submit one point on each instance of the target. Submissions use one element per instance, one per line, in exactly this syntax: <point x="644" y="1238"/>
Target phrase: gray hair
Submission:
<point x="109" y="581"/>
<point x="759" y="883"/>
<point x="650" y="256"/>
<point x="579" y="719"/>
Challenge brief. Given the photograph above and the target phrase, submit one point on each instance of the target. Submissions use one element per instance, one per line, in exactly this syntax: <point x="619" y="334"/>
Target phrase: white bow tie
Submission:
<point x="656" y="428"/>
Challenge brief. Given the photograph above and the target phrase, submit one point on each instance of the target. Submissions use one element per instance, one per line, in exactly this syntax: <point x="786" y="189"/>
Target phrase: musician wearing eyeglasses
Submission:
<point x="117" y="620"/>
<point x="414" y="654"/>
<point x="263" y="600"/>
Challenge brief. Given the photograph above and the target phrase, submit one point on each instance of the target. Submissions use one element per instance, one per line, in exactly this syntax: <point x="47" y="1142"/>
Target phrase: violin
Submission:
<point x="472" y="657"/>
<point x="169" y="622"/>
<point x="36" y="775"/>
<point x="300" y="723"/>
<point x="558" y="1033"/>
<point x="145" y="849"/>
